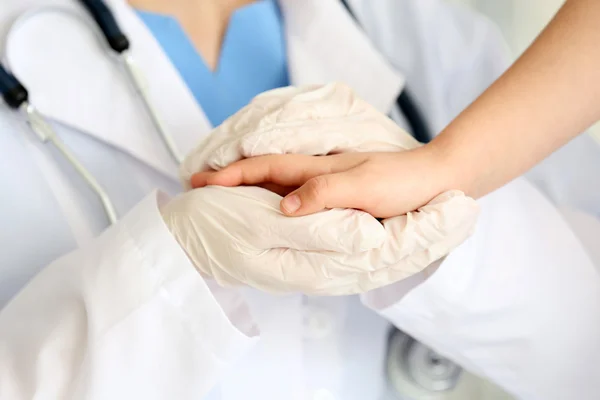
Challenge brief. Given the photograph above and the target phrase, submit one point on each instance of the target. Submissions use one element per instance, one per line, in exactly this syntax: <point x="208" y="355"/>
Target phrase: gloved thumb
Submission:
<point x="323" y="192"/>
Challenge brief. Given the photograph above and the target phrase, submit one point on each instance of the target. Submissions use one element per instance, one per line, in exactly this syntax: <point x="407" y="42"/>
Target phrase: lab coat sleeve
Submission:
<point x="518" y="303"/>
<point x="126" y="317"/>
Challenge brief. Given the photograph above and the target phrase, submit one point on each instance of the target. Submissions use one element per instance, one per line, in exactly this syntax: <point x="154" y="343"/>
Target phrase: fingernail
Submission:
<point x="291" y="204"/>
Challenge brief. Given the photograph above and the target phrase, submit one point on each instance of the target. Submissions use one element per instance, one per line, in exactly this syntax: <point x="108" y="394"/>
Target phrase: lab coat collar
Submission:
<point x="325" y="44"/>
<point x="77" y="84"/>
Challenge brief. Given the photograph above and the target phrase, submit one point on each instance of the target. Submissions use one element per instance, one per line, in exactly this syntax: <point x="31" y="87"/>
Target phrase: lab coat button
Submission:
<point x="318" y="324"/>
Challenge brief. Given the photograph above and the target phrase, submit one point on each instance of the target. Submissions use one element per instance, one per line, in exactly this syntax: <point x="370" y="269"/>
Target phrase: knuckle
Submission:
<point x="318" y="186"/>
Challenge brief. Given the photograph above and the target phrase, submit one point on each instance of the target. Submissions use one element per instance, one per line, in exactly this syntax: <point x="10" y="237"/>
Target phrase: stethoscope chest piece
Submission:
<point x="416" y="372"/>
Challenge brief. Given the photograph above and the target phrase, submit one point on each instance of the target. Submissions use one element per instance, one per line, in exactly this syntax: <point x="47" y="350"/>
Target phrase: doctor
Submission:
<point x="114" y="313"/>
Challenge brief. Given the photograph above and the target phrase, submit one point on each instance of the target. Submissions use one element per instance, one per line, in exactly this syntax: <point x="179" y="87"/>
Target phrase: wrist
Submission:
<point x="453" y="170"/>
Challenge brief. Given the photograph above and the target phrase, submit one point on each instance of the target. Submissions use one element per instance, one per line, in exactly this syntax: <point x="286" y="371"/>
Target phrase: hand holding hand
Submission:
<point x="238" y="234"/>
<point x="382" y="184"/>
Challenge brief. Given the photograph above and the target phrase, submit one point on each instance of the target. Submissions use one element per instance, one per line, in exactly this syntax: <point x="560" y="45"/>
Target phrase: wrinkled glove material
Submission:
<point x="239" y="236"/>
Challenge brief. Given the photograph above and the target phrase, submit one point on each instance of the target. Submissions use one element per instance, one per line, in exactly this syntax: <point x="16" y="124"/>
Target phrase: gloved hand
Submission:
<point x="311" y="120"/>
<point x="238" y="235"/>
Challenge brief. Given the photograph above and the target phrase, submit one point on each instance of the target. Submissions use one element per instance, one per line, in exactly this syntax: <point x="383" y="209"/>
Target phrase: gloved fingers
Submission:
<point x="227" y="134"/>
<point x="231" y="247"/>
<point x="320" y="138"/>
<point x="347" y="135"/>
<point x="312" y="120"/>
<point x="415" y="241"/>
<point x="245" y="244"/>
<point x="423" y="236"/>
<point x="275" y="270"/>
<point x="199" y="245"/>
<point x="223" y="142"/>
<point x="319" y="274"/>
<point x="194" y="161"/>
<point x="250" y="218"/>
<point x="197" y="160"/>
<point x="281" y="270"/>
<point x="317" y="121"/>
<point x="343" y="231"/>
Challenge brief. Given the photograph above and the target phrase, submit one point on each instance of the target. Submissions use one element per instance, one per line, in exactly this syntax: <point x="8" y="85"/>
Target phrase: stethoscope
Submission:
<point x="16" y="96"/>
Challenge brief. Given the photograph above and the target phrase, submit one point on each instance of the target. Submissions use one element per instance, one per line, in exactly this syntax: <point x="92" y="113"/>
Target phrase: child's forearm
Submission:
<point x="549" y="96"/>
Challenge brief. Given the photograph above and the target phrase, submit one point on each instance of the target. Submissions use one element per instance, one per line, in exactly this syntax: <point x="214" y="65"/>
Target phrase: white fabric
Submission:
<point x="314" y="120"/>
<point x="308" y="347"/>
<point x="97" y="336"/>
<point x="512" y="310"/>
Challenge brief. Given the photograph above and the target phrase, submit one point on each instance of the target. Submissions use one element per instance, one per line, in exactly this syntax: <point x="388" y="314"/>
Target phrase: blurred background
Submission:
<point x="520" y="22"/>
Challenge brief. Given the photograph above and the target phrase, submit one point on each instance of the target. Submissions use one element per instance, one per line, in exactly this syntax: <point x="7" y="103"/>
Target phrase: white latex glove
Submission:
<point x="239" y="236"/>
<point x="314" y="120"/>
<point x="311" y="120"/>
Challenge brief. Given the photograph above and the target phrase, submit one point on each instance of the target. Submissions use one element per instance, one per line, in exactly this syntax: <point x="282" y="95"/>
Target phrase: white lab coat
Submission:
<point x="126" y="316"/>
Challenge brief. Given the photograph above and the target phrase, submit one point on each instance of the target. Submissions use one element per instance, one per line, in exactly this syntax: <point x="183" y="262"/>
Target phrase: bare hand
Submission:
<point x="382" y="184"/>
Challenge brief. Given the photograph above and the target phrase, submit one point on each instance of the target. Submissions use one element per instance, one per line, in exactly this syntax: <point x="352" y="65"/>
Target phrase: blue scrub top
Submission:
<point x="252" y="59"/>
